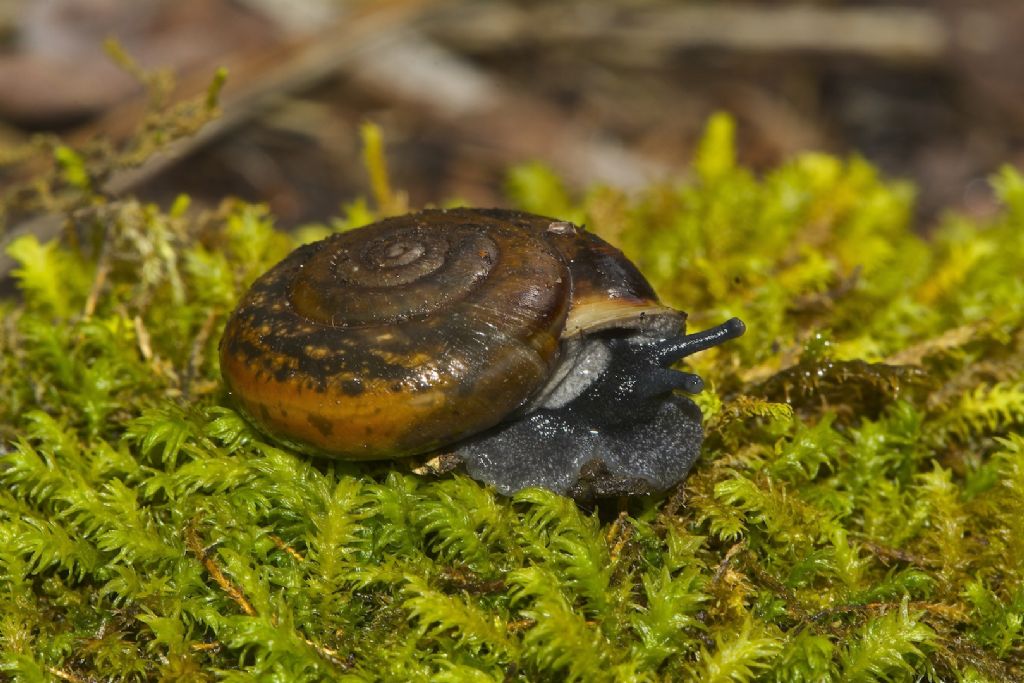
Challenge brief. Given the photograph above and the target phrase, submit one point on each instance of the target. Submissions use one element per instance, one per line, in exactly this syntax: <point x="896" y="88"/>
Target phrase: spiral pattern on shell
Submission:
<point x="402" y="336"/>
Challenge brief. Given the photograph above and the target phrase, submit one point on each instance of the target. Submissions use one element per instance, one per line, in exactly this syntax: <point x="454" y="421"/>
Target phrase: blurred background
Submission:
<point x="615" y="92"/>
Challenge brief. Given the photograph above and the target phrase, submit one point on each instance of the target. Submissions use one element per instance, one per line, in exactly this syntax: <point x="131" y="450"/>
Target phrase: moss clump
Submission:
<point x="858" y="513"/>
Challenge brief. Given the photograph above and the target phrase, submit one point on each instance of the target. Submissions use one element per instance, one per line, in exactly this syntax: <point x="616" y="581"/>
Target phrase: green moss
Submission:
<point x="858" y="513"/>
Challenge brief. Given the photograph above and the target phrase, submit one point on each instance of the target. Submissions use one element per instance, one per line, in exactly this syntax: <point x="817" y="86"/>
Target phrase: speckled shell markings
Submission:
<point x="400" y="337"/>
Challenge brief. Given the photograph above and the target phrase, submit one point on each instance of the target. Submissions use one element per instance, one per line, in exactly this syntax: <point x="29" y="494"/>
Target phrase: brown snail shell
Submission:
<point x="418" y="331"/>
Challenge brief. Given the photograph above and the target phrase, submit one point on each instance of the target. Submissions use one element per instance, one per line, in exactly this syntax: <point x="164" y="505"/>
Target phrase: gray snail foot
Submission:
<point x="648" y="451"/>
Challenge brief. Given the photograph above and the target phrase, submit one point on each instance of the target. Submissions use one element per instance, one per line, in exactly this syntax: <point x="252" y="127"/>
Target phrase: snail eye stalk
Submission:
<point x="671" y="350"/>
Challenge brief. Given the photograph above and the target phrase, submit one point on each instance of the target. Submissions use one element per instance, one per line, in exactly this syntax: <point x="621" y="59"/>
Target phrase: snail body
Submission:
<point x="489" y="332"/>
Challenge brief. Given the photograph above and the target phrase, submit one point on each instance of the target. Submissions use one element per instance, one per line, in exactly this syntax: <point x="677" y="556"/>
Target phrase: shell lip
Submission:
<point x="649" y="318"/>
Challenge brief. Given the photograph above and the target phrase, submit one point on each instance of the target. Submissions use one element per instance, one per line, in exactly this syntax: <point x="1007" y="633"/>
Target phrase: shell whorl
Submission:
<point x="400" y="337"/>
<point x="401" y="271"/>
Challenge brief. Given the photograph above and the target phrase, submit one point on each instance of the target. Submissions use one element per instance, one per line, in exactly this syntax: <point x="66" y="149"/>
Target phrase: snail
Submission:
<point x="533" y="351"/>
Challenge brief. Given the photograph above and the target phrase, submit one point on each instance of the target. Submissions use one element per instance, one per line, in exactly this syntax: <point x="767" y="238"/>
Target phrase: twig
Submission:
<point x="329" y="654"/>
<point x="102" y="271"/>
<point x="519" y="625"/>
<point x="723" y="566"/>
<point x="279" y="542"/>
<point x="620" y="531"/>
<point x="206" y="647"/>
<point x="142" y="334"/>
<point x="888" y="32"/>
<point x="949" y="612"/>
<point x="234" y="592"/>
<point x="885" y="552"/>
<point x="64" y="675"/>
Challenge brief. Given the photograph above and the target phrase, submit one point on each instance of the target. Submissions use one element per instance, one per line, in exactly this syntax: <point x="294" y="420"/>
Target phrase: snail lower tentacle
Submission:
<point x="672" y="350"/>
